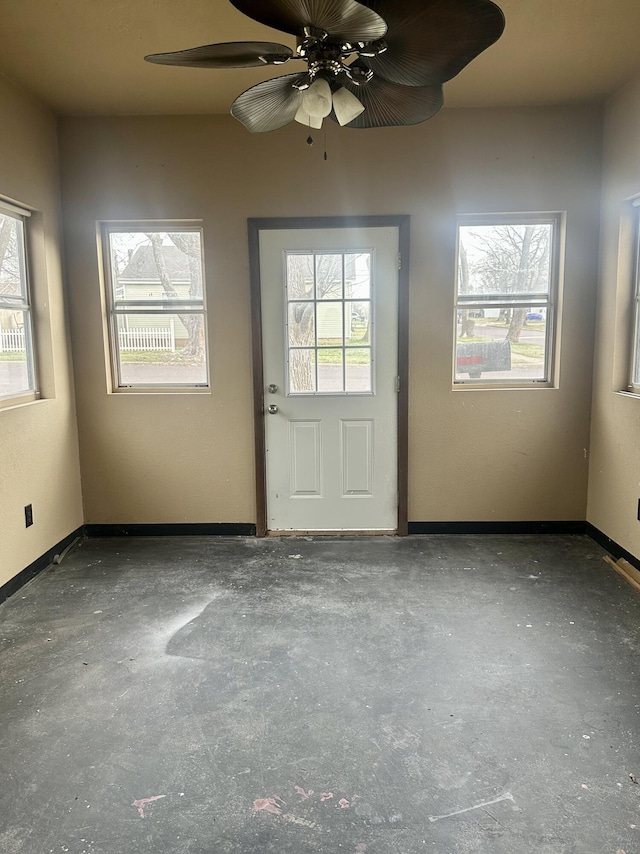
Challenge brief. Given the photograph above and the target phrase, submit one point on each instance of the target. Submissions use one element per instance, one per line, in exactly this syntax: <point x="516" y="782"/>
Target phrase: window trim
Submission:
<point x="633" y="382"/>
<point x="550" y="301"/>
<point x="21" y="214"/>
<point x="113" y="307"/>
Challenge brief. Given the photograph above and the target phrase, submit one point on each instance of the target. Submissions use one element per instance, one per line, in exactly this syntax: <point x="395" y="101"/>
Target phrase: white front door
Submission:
<point x="329" y="328"/>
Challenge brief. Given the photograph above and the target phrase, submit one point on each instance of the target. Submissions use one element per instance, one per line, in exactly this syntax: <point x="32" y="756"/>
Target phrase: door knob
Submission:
<point x="272" y="409"/>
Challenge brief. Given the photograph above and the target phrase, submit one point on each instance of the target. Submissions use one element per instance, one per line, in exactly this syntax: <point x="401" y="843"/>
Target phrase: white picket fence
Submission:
<point x="148" y="338"/>
<point x="12" y="341"/>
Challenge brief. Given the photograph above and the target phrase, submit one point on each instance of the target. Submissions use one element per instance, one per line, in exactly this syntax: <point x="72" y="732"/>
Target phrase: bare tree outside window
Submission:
<point x="505" y="298"/>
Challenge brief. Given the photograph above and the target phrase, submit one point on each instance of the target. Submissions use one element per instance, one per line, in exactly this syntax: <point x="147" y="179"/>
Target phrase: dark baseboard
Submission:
<point x="14" y="584"/>
<point x="215" y="529"/>
<point x="571" y="527"/>
<point x="247" y="529"/>
<point x="611" y="546"/>
<point x="179" y="529"/>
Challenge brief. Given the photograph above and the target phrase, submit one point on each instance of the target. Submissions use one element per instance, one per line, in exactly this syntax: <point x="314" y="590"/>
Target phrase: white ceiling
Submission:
<point x="85" y="56"/>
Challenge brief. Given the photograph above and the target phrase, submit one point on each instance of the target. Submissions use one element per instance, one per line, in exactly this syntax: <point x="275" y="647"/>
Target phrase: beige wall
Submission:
<point x="474" y="455"/>
<point x="38" y="441"/>
<point x="614" y="480"/>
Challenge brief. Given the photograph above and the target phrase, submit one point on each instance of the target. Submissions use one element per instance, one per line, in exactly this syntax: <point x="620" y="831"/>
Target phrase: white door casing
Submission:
<point x="331" y="443"/>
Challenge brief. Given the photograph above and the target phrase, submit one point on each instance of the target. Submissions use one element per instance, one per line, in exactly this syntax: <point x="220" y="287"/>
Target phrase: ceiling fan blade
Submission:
<point x="343" y="20"/>
<point x="390" y="105"/>
<point x="269" y="105"/>
<point x="226" y="55"/>
<point x="430" y="41"/>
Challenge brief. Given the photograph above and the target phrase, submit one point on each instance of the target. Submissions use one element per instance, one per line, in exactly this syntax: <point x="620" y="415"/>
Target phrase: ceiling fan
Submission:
<point x="372" y="63"/>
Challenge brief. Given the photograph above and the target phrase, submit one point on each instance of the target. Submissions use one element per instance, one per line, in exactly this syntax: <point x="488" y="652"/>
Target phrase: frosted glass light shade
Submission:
<point x="316" y="100"/>
<point x="305" y="119"/>
<point x="346" y="106"/>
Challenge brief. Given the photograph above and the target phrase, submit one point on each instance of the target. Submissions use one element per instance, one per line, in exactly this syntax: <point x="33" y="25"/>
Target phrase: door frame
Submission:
<point x="257" y="224"/>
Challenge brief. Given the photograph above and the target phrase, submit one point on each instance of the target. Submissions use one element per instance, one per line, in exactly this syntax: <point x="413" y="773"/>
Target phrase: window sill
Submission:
<point x="468" y="386"/>
<point x="19" y="401"/>
<point x="164" y="390"/>
<point x="634" y="394"/>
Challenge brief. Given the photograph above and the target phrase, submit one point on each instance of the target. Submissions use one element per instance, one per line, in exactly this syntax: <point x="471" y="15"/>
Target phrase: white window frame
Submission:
<point x="23" y="304"/>
<point x="634" y="364"/>
<point x="115" y="307"/>
<point x="548" y="301"/>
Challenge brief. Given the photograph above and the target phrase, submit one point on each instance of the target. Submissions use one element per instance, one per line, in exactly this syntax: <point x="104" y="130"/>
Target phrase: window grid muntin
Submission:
<point x="21" y="303"/>
<point x="117" y="306"/>
<point x="512" y="300"/>
<point x="343" y="301"/>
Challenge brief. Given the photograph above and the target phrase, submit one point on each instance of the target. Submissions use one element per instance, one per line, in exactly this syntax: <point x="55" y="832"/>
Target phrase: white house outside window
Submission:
<point x="506" y="295"/>
<point x="17" y="360"/>
<point x="157" y="315"/>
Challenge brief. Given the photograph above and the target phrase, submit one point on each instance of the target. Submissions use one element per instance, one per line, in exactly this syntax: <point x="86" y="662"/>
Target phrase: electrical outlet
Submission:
<point x="28" y="515"/>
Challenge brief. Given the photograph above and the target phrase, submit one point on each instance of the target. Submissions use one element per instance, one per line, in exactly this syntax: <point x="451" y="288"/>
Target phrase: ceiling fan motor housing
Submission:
<point x="331" y="59"/>
<point x="403" y="50"/>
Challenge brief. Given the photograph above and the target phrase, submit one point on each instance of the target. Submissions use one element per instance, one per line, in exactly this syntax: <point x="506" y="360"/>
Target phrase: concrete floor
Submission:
<point x="362" y="696"/>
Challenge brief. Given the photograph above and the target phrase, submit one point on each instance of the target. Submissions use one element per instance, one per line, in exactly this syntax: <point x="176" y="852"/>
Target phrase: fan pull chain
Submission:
<point x="310" y="142"/>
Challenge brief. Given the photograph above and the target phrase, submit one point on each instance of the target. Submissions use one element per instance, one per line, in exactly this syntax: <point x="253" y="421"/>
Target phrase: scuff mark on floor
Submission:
<point x="304" y="795"/>
<point x="271" y="805"/>
<point x="506" y="797"/>
<point x="141" y="803"/>
<point x="294" y="819"/>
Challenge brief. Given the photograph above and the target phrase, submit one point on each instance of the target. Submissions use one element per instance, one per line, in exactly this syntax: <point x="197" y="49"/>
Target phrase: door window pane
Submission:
<point x="330" y="375"/>
<point x="302" y="371"/>
<point x="357" y="275"/>
<point x="358" y="369"/>
<point x="336" y="329"/>
<point x="328" y="276"/>
<point x="329" y="323"/>
<point x="302" y="324"/>
<point x="357" y="323"/>
<point x="300" y="278"/>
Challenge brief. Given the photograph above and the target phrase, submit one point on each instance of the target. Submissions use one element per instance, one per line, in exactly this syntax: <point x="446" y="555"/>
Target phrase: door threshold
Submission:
<point x="366" y="532"/>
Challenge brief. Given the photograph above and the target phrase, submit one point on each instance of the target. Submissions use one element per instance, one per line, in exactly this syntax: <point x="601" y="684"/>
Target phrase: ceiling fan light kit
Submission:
<point x="316" y="100"/>
<point x="346" y="106"/>
<point x="374" y="63"/>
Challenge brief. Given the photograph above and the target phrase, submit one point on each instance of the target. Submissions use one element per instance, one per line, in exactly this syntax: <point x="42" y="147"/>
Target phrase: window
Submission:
<point x="156" y="305"/>
<point x="17" y="361"/>
<point x="505" y="300"/>
<point x="634" y="379"/>
<point x="329" y="322"/>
